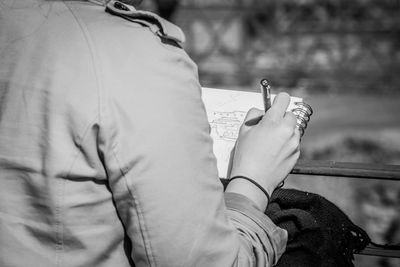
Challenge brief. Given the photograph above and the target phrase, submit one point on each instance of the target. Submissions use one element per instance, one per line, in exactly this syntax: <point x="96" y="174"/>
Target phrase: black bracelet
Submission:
<point x="253" y="182"/>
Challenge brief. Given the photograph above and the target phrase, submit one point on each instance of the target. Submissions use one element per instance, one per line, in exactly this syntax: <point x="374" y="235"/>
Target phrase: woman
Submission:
<point x="105" y="153"/>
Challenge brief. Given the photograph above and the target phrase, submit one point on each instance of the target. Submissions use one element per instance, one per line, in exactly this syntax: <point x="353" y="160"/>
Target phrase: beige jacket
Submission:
<point x="105" y="153"/>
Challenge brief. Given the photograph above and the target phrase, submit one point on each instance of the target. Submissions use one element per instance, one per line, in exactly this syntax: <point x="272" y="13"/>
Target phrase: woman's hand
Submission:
<point x="265" y="152"/>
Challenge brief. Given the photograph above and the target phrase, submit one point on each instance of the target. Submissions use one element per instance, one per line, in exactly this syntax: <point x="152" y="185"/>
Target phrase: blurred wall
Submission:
<point x="321" y="45"/>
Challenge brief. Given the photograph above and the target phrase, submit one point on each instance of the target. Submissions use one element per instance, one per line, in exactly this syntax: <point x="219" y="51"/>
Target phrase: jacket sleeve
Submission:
<point x="155" y="141"/>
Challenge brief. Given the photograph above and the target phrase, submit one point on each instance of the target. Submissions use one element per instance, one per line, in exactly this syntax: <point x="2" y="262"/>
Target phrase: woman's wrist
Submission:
<point x="249" y="190"/>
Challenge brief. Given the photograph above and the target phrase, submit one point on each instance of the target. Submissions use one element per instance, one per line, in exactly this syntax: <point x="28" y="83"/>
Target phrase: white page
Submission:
<point x="226" y="110"/>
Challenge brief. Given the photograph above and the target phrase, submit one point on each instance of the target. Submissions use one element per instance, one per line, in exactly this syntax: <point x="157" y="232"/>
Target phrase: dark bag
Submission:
<point x="320" y="234"/>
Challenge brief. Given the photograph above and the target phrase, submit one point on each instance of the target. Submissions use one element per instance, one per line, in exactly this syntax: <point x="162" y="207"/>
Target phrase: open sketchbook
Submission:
<point x="226" y="110"/>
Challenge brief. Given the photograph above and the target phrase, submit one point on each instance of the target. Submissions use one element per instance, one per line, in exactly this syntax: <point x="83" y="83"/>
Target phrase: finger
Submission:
<point x="295" y="143"/>
<point x="296" y="156"/>
<point x="292" y="146"/>
<point x="253" y="116"/>
<point x="288" y="125"/>
<point x="290" y="119"/>
<point x="278" y="108"/>
<point x="293" y="159"/>
<point x="297" y="133"/>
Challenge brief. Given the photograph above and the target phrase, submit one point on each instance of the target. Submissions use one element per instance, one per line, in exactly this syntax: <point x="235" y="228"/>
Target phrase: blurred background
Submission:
<point x="342" y="57"/>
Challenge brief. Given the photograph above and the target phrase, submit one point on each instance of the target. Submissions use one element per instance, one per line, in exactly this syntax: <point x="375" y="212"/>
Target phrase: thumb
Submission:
<point x="253" y="116"/>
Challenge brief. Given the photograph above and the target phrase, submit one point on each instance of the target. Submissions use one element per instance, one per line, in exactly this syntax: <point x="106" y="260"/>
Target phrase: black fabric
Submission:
<point x="320" y="234"/>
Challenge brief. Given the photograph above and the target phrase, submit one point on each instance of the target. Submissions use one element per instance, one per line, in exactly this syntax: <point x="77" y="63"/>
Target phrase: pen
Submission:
<point x="266" y="95"/>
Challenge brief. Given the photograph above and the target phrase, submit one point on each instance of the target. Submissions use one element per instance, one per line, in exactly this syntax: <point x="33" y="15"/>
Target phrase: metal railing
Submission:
<point x="320" y="45"/>
<point x="346" y="169"/>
